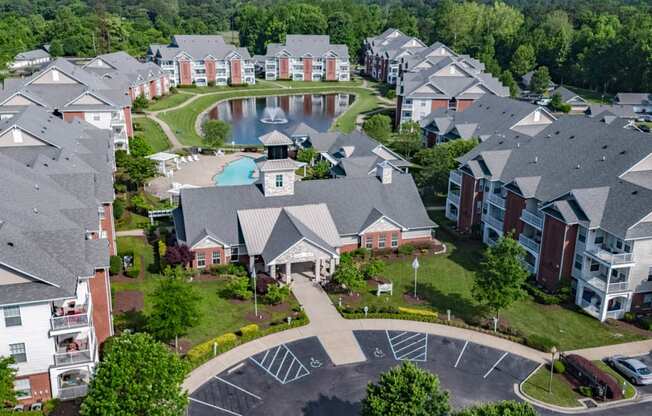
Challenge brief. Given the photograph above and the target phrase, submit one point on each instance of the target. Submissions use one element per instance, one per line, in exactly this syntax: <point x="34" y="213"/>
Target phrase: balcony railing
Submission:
<point x="493" y="222"/>
<point x="529" y="243"/>
<point x="610" y="258"/>
<point x="117" y="119"/>
<point x="455" y="177"/>
<point x="454" y="197"/>
<point x="497" y="200"/>
<point x="532" y="219"/>
<point x="600" y="283"/>
<point x="73" y="357"/>
<point x="69" y="321"/>
<point x="72" y="392"/>
<point x="528" y="267"/>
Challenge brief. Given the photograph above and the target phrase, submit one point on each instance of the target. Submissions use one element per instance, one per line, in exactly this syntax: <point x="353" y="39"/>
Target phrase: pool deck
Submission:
<point x="198" y="173"/>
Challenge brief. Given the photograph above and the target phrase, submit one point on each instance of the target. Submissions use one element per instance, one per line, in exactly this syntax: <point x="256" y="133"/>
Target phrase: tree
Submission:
<point x="136" y="376"/>
<point x="556" y="104"/>
<point x="373" y="268"/>
<point x="174" y="309"/>
<point x="400" y="18"/>
<point x="540" y="80"/>
<point x="134" y="170"/>
<point x="276" y="294"/>
<point x="179" y="255"/>
<point x="379" y="127"/>
<point x="321" y="170"/>
<point x="499" y="281"/>
<point x="409" y="139"/>
<point x="349" y="276"/>
<point x="307" y="155"/>
<point x="140" y="104"/>
<point x="504" y="408"/>
<point x="238" y="288"/>
<point x="216" y="132"/>
<point x="139" y="147"/>
<point x="523" y="60"/>
<point x="406" y="390"/>
<point x="7" y="377"/>
<point x="56" y="48"/>
<point x="435" y="164"/>
<point x="508" y="80"/>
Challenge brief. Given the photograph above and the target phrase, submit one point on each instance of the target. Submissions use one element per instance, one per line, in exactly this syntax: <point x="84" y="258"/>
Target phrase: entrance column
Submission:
<point x="579" y="291"/>
<point x="288" y="272"/>
<point x="272" y="271"/>
<point x="252" y="264"/>
<point x="331" y="267"/>
<point x="317" y="269"/>
<point x="604" y="306"/>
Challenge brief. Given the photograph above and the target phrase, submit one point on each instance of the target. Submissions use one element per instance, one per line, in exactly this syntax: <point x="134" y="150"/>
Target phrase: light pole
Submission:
<point x="253" y="276"/>
<point x="415" y="266"/>
<point x="553" y="352"/>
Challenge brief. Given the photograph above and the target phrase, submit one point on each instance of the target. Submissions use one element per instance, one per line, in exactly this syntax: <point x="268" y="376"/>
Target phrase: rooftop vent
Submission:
<point x="536" y="159"/>
<point x="622" y="152"/>
<point x="578" y="166"/>
<point x="35" y="210"/>
<point x="557" y="133"/>
<point x="10" y="244"/>
<point x="36" y="187"/>
<point x="572" y="137"/>
<point x="518" y="145"/>
<point x="634" y="192"/>
<point x="605" y="146"/>
<point x="604" y="158"/>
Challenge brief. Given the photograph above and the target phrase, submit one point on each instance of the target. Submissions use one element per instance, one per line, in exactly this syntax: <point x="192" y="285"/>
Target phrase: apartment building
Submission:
<point x="438" y="78"/>
<point x="307" y="58"/>
<point x="140" y="79"/>
<point x="578" y="198"/>
<point x="202" y="60"/>
<point x="383" y="54"/>
<point x="485" y="117"/>
<point x="27" y="59"/>
<point x="56" y="235"/>
<point x="72" y="92"/>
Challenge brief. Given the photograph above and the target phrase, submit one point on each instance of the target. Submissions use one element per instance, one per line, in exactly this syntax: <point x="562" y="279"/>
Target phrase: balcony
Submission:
<point x="117" y="119"/>
<point x="455" y="177"/>
<point x="529" y="267"/>
<point x="70" y="350"/>
<point x="600" y="283"/>
<point x="70" y="315"/>
<point x="72" y="392"/>
<point x="609" y="258"/>
<point x="529" y="243"/>
<point x="533" y="219"/>
<point x="497" y="200"/>
<point x="454" y="197"/>
<point x="495" y="223"/>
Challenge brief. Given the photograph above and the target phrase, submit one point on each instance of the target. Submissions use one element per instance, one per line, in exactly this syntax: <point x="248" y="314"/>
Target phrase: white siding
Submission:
<point x="416" y="234"/>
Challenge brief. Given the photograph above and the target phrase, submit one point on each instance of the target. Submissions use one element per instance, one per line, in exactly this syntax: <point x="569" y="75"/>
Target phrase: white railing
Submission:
<point x="528" y="267"/>
<point x="532" y="219"/>
<point x="590" y="308"/>
<point x="78" y="319"/>
<point x="609" y="257"/>
<point x="455" y="177"/>
<point x="73" y="392"/>
<point x="73" y="357"/>
<point x="454" y="197"/>
<point x="529" y="243"/>
<point x="600" y="283"/>
<point x="497" y="200"/>
<point x="493" y="222"/>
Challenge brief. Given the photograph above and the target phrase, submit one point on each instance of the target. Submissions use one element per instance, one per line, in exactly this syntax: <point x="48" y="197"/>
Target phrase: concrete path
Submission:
<point x="174" y="141"/>
<point x="630" y="349"/>
<point x="130" y="233"/>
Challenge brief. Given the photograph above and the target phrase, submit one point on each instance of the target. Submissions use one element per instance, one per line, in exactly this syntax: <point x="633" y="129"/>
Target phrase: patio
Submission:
<point x="196" y="173"/>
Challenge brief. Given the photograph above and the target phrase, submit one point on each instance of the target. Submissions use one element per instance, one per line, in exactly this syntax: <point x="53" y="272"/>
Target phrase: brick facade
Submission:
<point x="464" y="104"/>
<point x="437" y="104"/>
<point x="71" y="115"/>
<point x="41" y="388"/>
<point x="208" y="256"/>
<point x="330" y="69"/>
<point x="307" y="69"/>
<point x="101" y="295"/>
<point x="236" y="72"/>
<point x="468" y="196"/>
<point x="185" y="73"/>
<point x="284" y="68"/>
<point x="514" y="205"/>
<point x="210" y="70"/>
<point x="557" y="249"/>
<point x="130" y="126"/>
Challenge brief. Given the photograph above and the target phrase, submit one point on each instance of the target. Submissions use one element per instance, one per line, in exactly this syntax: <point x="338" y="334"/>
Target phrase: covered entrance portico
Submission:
<point x="304" y="257"/>
<point x="602" y="305"/>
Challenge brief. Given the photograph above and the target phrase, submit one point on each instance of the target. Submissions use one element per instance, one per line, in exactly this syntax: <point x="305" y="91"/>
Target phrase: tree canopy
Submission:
<point x="216" y="132"/>
<point x="435" y="163"/>
<point x="136" y="376"/>
<point x="7" y="376"/>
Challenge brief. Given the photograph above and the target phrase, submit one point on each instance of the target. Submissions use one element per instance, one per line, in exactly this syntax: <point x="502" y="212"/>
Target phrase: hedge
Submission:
<point x="422" y="312"/>
<point x="540" y="342"/>
<point x="249" y="330"/>
<point x="134" y="271"/>
<point x="586" y="372"/>
<point x="115" y="265"/>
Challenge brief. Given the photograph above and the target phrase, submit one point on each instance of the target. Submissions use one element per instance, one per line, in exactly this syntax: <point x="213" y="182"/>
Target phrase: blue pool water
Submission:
<point x="238" y="172"/>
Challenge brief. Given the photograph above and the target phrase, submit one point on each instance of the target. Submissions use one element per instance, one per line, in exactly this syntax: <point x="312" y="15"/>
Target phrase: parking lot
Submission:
<point x="647" y="360"/>
<point x="299" y="379"/>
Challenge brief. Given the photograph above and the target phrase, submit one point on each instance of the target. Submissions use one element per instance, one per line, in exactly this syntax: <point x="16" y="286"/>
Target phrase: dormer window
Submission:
<point x="279" y="181"/>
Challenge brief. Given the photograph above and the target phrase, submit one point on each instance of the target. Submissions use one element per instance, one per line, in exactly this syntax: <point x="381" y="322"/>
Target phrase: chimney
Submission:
<point x="384" y="172"/>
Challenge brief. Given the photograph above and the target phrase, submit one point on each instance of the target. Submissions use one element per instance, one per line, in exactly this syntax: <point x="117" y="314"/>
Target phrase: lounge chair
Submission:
<point x="219" y="153"/>
<point x="196" y="157"/>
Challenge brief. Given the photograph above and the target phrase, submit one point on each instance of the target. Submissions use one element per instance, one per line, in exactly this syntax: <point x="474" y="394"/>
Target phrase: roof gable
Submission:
<point x="53" y="75"/>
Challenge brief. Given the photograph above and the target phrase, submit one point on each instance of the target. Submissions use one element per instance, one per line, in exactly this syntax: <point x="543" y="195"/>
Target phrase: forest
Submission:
<point x="604" y="45"/>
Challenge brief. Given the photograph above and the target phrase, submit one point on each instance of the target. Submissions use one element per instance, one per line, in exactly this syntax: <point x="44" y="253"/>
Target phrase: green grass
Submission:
<point x="445" y="281"/>
<point x="168" y="101"/>
<point x="131" y="221"/>
<point x="630" y="390"/>
<point x="301" y="84"/>
<point x="152" y="133"/>
<point x="591" y="95"/>
<point x="218" y="315"/>
<point x="182" y="121"/>
<point x="562" y="391"/>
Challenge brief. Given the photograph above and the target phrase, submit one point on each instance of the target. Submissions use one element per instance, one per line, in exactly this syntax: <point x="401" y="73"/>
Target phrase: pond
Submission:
<point x="238" y="172"/>
<point x="251" y="118"/>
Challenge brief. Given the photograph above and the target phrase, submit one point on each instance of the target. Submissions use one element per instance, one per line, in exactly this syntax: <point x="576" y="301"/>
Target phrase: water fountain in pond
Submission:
<point x="274" y="115"/>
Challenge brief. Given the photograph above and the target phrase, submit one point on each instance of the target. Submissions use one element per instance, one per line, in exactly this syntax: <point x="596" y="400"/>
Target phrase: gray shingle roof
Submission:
<point x="125" y="67"/>
<point x="633" y="98"/>
<point x="317" y="46"/>
<point x="31" y="55"/>
<point x="198" y="47"/>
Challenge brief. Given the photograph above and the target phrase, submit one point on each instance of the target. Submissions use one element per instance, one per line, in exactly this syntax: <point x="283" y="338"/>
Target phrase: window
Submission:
<point x="628" y="248"/>
<point x="599" y="239"/>
<point x="23" y="388"/>
<point x="619" y="243"/>
<point x="201" y="260"/>
<point x="647" y="300"/>
<point x="18" y="352"/>
<point x="279" y="181"/>
<point x="594" y="266"/>
<point x="649" y="274"/>
<point x="217" y="258"/>
<point x="96" y="117"/>
<point x="394" y="239"/>
<point x="381" y="241"/>
<point x="12" y="316"/>
<point x="369" y="242"/>
<point x="578" y="261"/>
<point x="235" y="253"/>
<point x="582" y="235"/>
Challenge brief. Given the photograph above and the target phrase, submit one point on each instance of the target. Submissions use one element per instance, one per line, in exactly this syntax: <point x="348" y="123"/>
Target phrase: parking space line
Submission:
<point x="282" y="361"/>
<point x="405" y="339"/>
<point x="215" y="407"/>
<point x="285" y="361"/>
<point x="495" y="365"/>
<point x="459" y="357"/>
<point x="239" y="388"/>
<point x="396" y="336"/>
<point x="288" y="371"/>
<point x="408" y="346"/>
<point x="262" y="362"/>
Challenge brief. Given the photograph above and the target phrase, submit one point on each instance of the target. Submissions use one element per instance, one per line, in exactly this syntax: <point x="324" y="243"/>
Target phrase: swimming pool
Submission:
<point x="238" y="172"/>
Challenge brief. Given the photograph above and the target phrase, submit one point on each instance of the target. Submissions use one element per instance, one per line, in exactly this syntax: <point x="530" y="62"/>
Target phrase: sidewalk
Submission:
<point x="629" y="349"/>
<point x="130" y="233"/>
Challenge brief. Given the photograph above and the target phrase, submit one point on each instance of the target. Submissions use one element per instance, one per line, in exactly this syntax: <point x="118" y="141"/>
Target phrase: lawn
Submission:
<point x="168" y="101"/>
<point x="182" y="121"/>
<point x="218" y="314"/>
<point x="131" y="221"/>
<point x="445" y="281"/>
<point x="630" y="390"/>
<point x="152" y="133"/>
<point x="591" y="96"/>
<point x="562" y="391"/>
<point x="302" y="84"/>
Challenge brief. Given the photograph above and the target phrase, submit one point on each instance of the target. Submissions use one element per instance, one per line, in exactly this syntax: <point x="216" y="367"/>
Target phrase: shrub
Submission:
<point x="413" y="311"/>
<point x="238" y="288"/>
<point x="540" y="342"/>
<point x="276" y="294"/>
<point x="645" y="322"/>
<point x="541" y="296"/>
<point x="630" y="316"/>
<point x="211" y="83"/>
<point x="406" y="249"/>
<point x="559" y="367"/>
<point x="232" y="269"/>
<point x="115" y="265"/>
<point x="263" y="283"/>
<point x="134" y="271"/>
<point x="226" y="338"/>
<point x="373" y="268"/>
<point x="586" y="391"/>
<point x="391" y="94"/>
<point x="586" y="372"/>
<point x="383" y="252"/>
<point x="361" y="252"/>
<point x="118" y="208"/>
<point x="249" y="330"/>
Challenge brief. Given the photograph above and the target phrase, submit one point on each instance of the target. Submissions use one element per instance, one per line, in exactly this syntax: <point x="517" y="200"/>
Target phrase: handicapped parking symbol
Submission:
<point x="314" y="363"/>
<point x="378" y="353"/>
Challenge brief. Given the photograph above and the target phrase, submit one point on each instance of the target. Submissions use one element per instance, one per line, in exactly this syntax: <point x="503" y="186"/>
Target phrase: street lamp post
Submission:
<point x="415" y="266"/>
<point x="253" y="276"/>
<point x="553" y="352"/>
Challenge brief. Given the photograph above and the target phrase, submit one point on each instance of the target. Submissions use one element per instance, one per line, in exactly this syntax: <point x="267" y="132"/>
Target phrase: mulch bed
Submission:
<point x="206" y="277"/>
<point x="263" y="316"/>
<point x="67" y="408"/>
<point x="628" y="327"/>
<point x="353" y="299"/>
<point x="281" y="307"/>
<point x="411" y="300"/>
<point x="239" y="301"/>
<point x="128" y="300"/>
